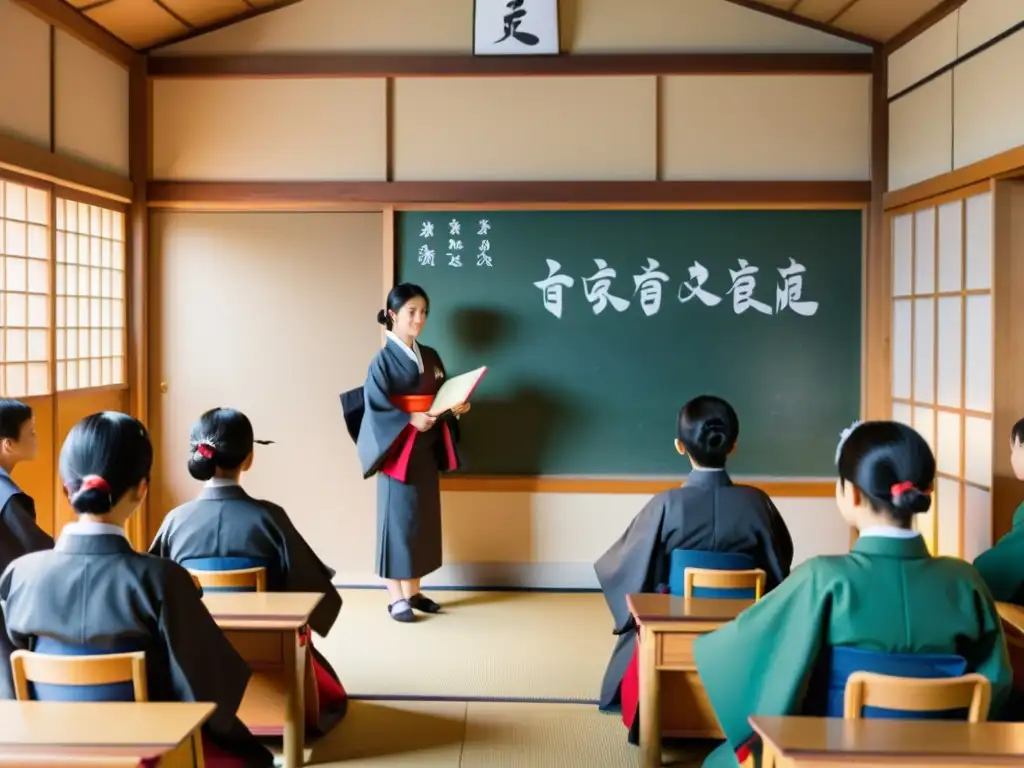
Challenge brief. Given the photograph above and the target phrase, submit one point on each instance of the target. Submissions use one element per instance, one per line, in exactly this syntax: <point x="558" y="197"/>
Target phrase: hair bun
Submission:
<point x="382" y="317"/>
<point x="912" y="500"/>
<point x="711" y="435"/>
<point x="92" y="501"/>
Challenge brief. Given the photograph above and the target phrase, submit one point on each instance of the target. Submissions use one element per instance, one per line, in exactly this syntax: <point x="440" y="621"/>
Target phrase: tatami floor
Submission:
<point x="447" y="692"/>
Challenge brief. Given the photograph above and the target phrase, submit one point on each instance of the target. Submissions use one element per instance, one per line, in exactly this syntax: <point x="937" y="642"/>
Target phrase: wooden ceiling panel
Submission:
<point x="822" y="10"/>
<point x="201" y="13"/>
<point x="883" y="19"/>
<point x="139" y="23"/>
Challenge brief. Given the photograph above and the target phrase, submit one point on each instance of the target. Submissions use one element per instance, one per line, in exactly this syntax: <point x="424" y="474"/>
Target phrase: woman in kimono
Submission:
<point x="708" y="513"/>
<point x="406" y="448"/>
<point x="228" y="526"/>
<point x="888" y="595"/>
<point x="93" y="594"/>
<point x="19" y="532"/>
<point x="1001" y="566"/>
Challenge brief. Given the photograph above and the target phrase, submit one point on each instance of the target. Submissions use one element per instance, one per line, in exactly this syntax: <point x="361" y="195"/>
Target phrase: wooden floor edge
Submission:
<point x="781" y="488"/>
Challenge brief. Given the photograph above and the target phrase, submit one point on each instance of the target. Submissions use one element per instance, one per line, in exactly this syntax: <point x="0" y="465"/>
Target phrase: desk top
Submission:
<point x="100" y="724"/>
<point x="261" y="610"/>
<point x="810" y="737"/>
<point x="656" y="607"/>
<point x="1012" y="614"/>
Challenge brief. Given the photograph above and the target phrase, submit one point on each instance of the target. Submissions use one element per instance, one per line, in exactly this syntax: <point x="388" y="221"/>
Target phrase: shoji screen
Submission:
<point x="942" y="346"/>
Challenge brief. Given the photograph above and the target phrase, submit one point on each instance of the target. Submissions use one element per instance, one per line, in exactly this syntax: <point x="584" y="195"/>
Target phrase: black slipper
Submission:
<point x="423" y="603"/>
<point x="400" y="611"/>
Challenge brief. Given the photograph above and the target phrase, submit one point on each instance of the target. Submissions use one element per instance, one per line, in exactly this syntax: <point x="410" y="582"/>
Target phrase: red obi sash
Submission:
<point x="396" y="465"/>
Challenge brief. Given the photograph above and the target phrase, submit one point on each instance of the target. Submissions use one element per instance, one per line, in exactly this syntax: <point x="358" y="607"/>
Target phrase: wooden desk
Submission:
<point x="265" y="629"/>
<point x="820" y="742"/>
<point x="668" y="627"/>
<point x="1012" y="615"/>
<point x="101" y="733"/>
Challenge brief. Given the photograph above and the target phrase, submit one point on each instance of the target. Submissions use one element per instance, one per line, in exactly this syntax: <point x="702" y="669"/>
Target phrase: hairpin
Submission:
<point x="844" y="436"/>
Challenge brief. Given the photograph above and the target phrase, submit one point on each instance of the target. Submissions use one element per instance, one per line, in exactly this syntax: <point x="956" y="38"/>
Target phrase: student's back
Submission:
<point x="709" y="513"/>
<point x="1002" y="566"/>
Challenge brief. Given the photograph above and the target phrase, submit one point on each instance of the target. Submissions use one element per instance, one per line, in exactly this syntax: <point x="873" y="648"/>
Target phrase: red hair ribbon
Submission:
<point x="94" y="482"/>
<point x="205" y="450"/>
<point x="899" y="489"/>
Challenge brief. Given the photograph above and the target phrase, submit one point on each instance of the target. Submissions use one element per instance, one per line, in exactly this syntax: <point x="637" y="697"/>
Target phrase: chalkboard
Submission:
<point x="598" y="325"/>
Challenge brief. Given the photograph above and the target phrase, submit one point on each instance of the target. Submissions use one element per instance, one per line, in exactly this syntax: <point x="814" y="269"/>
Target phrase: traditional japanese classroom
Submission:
<point x="811" y="208"/>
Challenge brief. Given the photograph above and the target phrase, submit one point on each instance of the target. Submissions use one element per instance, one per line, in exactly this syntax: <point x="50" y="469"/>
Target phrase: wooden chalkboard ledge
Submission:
<point x="822" y="488"/>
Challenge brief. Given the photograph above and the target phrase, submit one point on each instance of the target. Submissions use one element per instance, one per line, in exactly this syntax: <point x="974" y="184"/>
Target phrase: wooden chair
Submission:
<point x="914" y="694"/>
<point x="245" y="579"/>
<point x="713" y="579"/>
<point x="28" y="667"/>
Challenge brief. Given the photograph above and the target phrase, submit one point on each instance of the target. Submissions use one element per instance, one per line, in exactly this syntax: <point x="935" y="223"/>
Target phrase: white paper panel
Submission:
<point x="947" y="496"/>
<point x="979" y="241"/>
<point x="902" y="251"/>
<point x="948" y="438"/>
<point x="901" y="349"/>
<point x="924" y="251"/>
<point x="924" y="350"/>
<point x="978" y="451"/>
<point x="950" y="246"/>
<point x="977" y="522"/>
<point x="903" y="413"/>
<point x="949" y="370"/>
<point x="978" y="363"/>
<point x="924" y="423"/>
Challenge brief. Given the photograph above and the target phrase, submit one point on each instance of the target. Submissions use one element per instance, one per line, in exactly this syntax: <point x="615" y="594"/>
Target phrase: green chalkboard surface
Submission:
<point x="598" y="325"/>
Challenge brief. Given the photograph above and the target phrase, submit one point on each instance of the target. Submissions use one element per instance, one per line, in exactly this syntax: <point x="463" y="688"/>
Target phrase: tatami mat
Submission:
<point x="443" y="734"/>
<point x="503" y="645"/>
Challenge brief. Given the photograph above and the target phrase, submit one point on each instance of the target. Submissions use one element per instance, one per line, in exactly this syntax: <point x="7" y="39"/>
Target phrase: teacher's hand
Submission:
<point x="422" y="421"/>
<point x="460" y="409"/>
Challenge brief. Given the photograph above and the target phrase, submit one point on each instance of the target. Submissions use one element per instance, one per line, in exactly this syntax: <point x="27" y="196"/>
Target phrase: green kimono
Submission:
<point x="887" y="595"/>
<point x="1002" y="567"/>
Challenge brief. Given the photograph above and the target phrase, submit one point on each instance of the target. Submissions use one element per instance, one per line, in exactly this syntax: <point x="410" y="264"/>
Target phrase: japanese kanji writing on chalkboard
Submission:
<point x="426" y="255"/>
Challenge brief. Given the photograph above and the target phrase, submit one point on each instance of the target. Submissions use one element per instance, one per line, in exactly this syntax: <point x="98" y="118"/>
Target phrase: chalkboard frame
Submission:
<point x="780" y="487"/>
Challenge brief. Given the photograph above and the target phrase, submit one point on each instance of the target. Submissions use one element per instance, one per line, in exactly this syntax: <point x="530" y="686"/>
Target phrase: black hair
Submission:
<point x="221" y="438"/>
<point x="398" y="297"/>
<point x="13" y="415"/>
<point x="103" y="456"/>
<point x="708" y="428"/>
<point x="1016" y="434"/>
<point x="892" y="465"/>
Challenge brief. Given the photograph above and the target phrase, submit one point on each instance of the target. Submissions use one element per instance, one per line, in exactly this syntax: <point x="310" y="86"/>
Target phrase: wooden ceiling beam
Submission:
<point x="349" y="65"/>
<point x="63" y="16"/>
<point x="803" y="21"/>
<point x="915" y="28"/>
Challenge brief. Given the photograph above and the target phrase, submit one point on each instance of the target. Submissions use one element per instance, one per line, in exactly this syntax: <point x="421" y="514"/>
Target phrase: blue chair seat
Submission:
<point x="225" y="564"/>
<point x="681" y="559"/>
<point x="827" y="689"/>
<point x="84" y="693"/>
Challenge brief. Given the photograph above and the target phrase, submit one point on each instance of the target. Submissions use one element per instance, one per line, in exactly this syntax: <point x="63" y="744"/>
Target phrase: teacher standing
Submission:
<point x="406" y="448"/>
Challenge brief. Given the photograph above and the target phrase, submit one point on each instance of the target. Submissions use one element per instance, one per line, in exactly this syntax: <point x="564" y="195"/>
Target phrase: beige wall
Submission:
<point x="320" y="278"/>
<point x="970" y="112"/>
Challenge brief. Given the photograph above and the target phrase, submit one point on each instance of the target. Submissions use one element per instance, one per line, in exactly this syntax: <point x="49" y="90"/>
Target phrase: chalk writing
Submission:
<point x="553" y="286"/>
<point x="788" y="294"/>
<point x="596" y="289"/>
<point x="743" y="285"/>
<point x="426" y="256"/>
<point x="427" y="230"/>
<point x="649" y="287"/>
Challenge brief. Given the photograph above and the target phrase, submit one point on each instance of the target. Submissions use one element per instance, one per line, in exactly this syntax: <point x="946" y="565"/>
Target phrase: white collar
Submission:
<point x="413" y="352"/>
<point x="91" y="528"/>
<point x="708" y="469"/>
<point x="220" y="482"/>
<point x="889" y="532"/>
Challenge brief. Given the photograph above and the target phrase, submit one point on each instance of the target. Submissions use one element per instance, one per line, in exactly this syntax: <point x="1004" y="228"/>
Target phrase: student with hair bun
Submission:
<point x="93" y="594"/>
<point x="888" y="595"/>
<point x="225" y="528"/>
<point x="406" y="448"/>
<point x="709" y="513"/>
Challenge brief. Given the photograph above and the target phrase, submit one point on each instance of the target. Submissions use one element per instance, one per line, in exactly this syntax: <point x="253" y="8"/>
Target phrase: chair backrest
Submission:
<point x="228" y="574"/>
<point x="826" y="694"/>
<point x="723" y="581"/>
<point x="681" y="559"/>
<point x="918" y="698"/>
<point x="57" y="671"/>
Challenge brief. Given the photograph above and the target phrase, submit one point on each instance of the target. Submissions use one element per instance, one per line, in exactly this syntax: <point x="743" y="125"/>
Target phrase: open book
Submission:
<point x="456" y="391"/>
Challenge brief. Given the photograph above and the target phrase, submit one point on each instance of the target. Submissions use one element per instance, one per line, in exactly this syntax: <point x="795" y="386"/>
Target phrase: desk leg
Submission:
<point x="294" y="708"/>
<point x="650" y="701"/>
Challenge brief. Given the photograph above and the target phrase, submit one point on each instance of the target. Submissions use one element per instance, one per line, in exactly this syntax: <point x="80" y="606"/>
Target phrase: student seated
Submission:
<point x="887" y="596"/>
<point x="93" y="594"/>
<point x="1002" y="566"/>
<point x="708" y="513"/>
<point x="19" y="533"/>
<point x="231" y="530"/>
